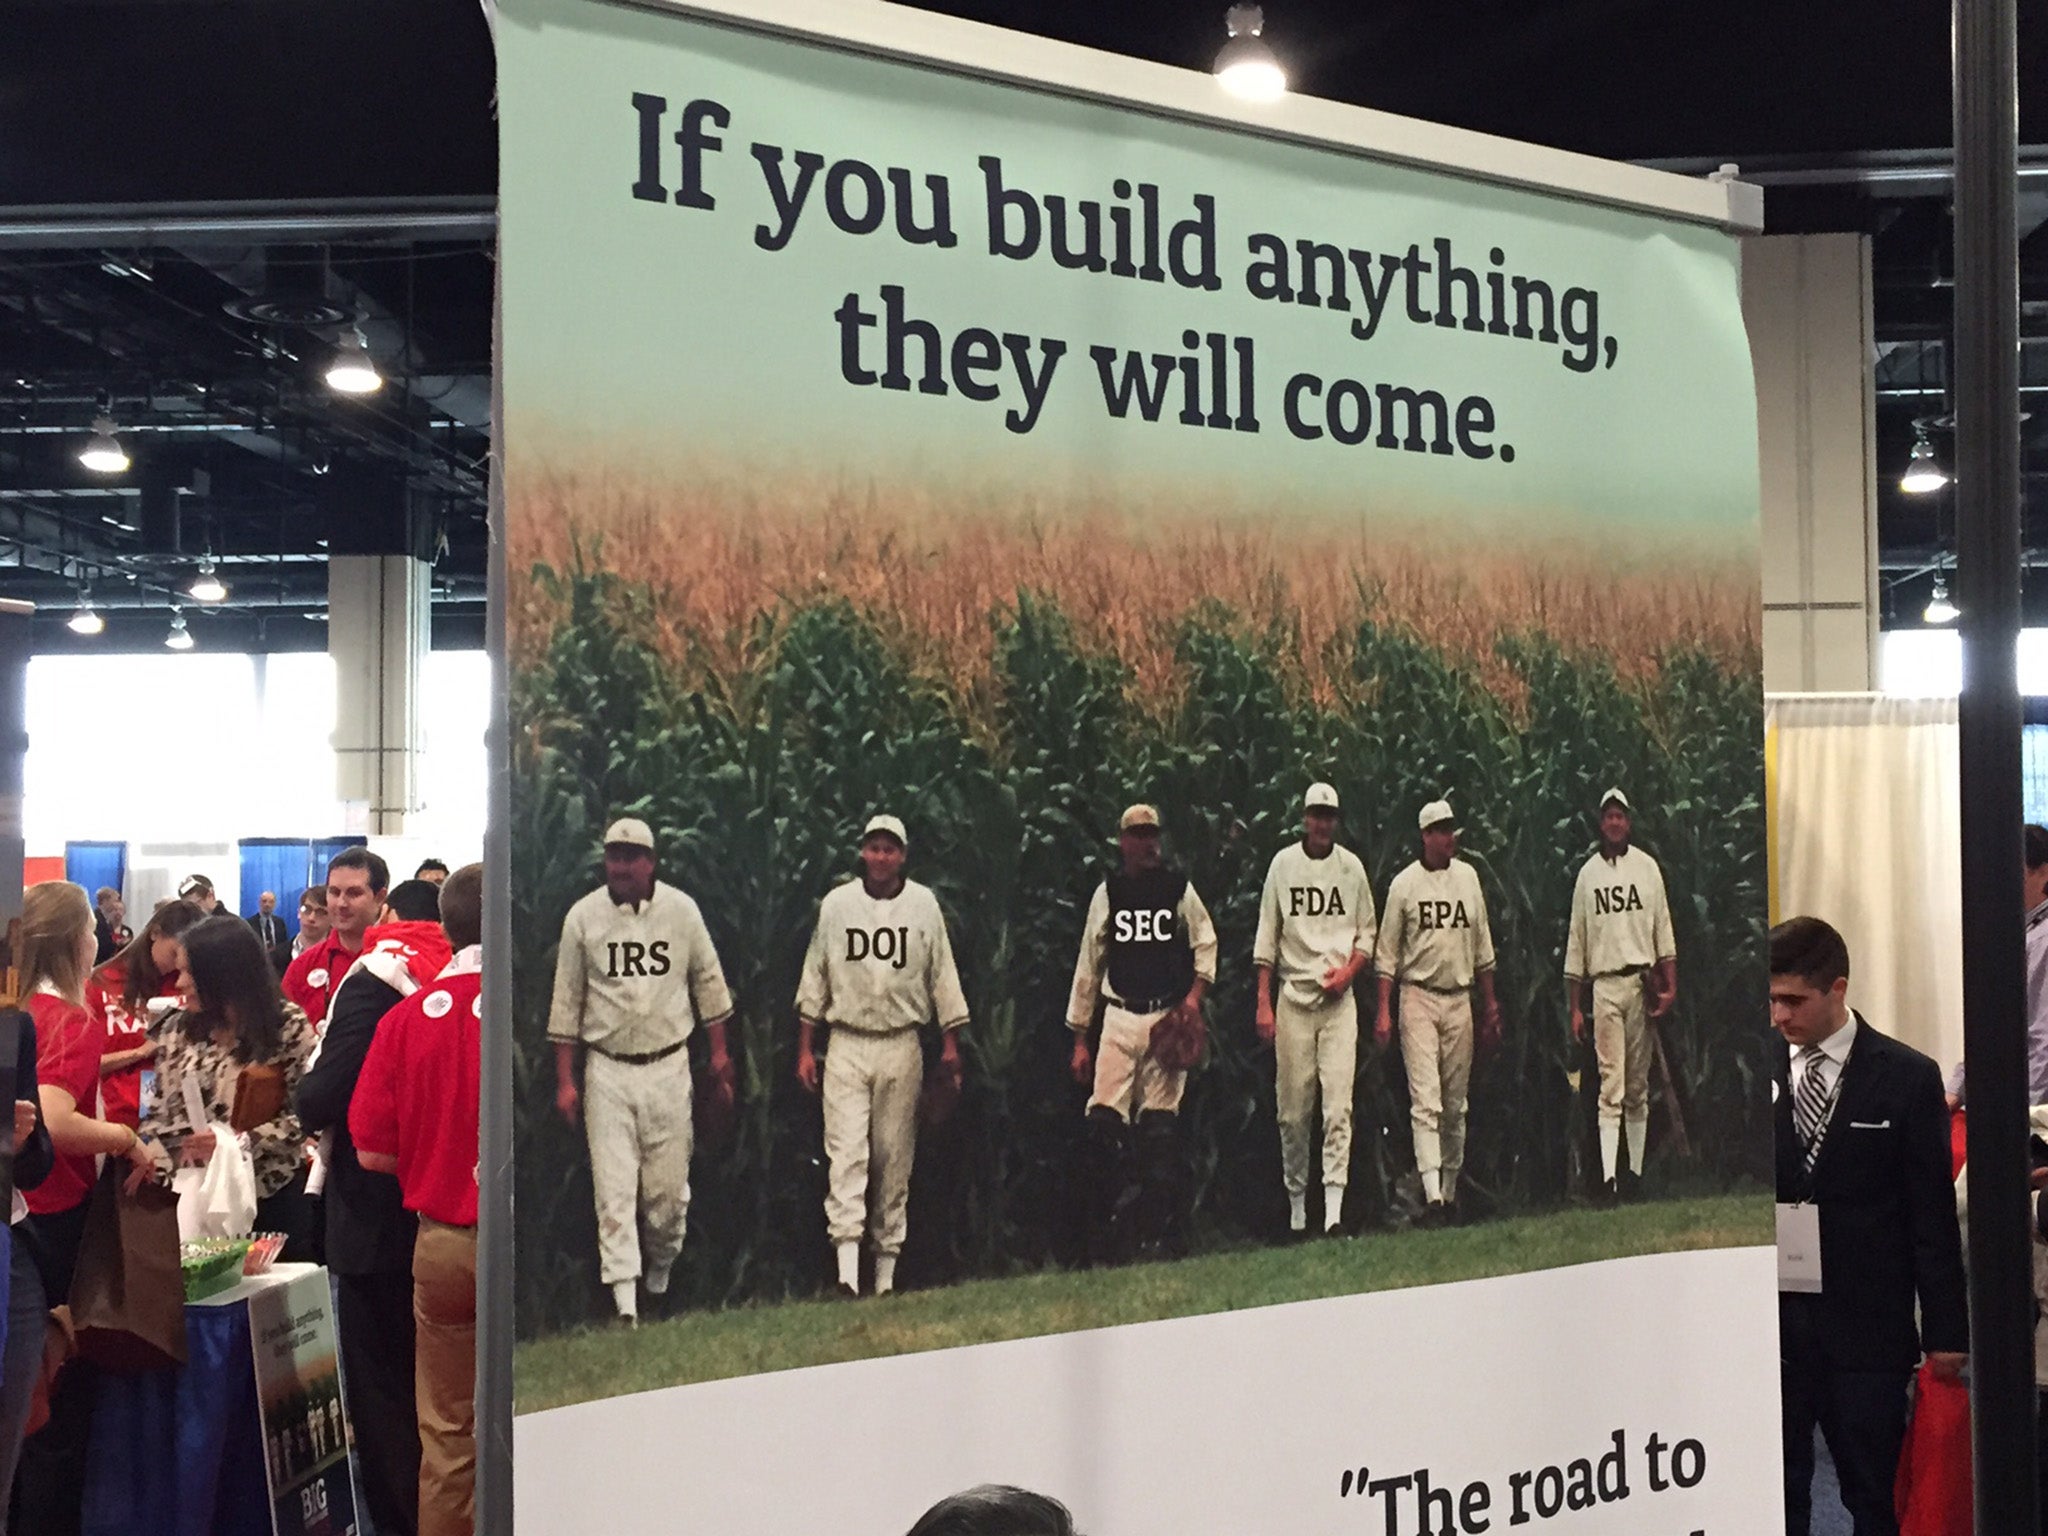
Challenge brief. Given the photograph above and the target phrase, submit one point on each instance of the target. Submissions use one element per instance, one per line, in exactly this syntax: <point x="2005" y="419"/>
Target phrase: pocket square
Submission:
<point x="1870" y="1125"/>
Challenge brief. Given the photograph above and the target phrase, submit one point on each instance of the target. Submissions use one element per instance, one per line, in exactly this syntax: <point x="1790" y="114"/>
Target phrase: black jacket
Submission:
<point x="1888" y="1229"/>
<point x="34" y="1158"/>
<point x="369" y="1230"/>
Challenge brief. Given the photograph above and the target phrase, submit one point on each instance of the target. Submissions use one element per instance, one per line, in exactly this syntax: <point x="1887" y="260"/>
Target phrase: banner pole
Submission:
<point x="1987" y="502"/>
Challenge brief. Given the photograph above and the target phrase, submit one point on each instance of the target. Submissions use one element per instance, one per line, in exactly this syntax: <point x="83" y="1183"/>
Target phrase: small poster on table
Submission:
<point x="298" y="1392"/>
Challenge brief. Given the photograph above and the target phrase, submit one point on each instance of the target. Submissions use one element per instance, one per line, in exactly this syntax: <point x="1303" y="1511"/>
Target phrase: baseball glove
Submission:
<point x="1177" y="1040"/>
<point x="715" y="1113"/>
<point x="939" y="1097"/>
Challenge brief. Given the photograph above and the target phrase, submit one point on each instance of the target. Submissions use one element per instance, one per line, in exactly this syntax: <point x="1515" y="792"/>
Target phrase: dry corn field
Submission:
<point x="755" y="674"/>
<point x="714" y="558"/>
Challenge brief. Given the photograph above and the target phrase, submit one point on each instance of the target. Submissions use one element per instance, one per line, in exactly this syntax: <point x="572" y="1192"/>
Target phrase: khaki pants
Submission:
<point x="1127" y="1079"/>
<point x="870" y="1088"/>
<point x="1436" y="1046"/>
<point x="1621" y="1043"/>
<point x="444" y="1324"/>
<point x="1315" y="1045"/>
<point x="638" y="1121"/>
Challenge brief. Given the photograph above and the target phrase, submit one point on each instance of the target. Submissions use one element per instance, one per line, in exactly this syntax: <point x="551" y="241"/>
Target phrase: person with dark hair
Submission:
<point x="110" y="924"/>
<point x="312" y="921"/>
<point x="1863" y="1167"/>
<point x="123" y="994"/>
<point x="415" y="1116"/>
<point x="357" y="883"/>
<point x="2034" y="893"/>
<point x="994" y="1509"/>
<point x="234" y="1032"/>
<point x="370" y="1233"/>
<point x="433" y="871"/>
<point x="198" y="889"/>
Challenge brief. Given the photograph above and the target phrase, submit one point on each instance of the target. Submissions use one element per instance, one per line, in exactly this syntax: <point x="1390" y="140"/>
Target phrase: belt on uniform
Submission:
<point x="1626" y="970"/>
<point x="1144" y="1004"/>
<point x="639" y="1058"/>
<point x="1423" y="986"/>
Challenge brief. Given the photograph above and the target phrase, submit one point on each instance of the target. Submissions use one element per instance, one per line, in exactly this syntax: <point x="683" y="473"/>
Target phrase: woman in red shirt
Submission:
<point x="118" y="997"/>
<point x="56" y="951"/>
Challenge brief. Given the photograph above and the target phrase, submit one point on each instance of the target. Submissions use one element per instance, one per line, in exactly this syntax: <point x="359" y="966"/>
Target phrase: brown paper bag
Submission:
<point x="128" y="1292"/>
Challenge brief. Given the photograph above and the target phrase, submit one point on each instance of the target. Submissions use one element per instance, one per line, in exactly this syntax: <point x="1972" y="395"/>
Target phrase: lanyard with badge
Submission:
<point x="1799" y="1220"/>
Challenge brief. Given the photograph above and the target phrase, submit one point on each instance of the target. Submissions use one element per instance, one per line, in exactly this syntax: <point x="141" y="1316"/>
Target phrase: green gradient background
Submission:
<point x="663" y="341"/>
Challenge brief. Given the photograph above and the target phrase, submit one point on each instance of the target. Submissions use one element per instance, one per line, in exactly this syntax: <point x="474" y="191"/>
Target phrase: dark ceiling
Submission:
<point x="364" y="131"/>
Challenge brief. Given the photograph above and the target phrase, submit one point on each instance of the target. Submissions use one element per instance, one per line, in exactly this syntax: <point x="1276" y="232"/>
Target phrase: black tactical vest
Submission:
<point x="1149" y="953"/>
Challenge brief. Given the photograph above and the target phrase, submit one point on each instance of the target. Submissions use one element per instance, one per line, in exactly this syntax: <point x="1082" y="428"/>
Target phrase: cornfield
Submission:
<point x="755" y="684"/>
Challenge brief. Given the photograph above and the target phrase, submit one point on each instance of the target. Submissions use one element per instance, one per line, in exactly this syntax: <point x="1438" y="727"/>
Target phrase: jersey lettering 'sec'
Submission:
<point x="1441" y="914"/>
<point x="629" y="958"/>
<point x="1143" y="925"/>
<point x="885" y="946"/>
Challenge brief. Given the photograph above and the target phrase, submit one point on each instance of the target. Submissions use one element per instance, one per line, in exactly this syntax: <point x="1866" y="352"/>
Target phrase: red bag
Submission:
<point x="1932" y="1492"/>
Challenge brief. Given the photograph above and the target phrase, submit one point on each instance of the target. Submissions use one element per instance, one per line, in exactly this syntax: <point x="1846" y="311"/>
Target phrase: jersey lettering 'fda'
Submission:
<point x="1314" y="901"/>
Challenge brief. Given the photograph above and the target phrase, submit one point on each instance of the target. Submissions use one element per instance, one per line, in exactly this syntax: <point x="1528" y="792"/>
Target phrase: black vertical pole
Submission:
<point x="1987" y="503"/>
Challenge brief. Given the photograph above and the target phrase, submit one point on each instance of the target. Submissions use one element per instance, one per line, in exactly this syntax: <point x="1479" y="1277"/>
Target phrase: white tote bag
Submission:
<point x="217" y="1199"/>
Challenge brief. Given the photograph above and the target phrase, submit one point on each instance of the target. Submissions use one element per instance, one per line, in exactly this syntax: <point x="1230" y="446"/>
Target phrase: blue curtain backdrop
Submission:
<point x="93" y="865"/>
<point x="280" y="864"/>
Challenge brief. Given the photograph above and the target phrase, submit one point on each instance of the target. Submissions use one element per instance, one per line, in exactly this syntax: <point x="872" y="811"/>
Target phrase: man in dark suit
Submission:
<point x="1862" y="1134"/>
<point x="270" y="929"/>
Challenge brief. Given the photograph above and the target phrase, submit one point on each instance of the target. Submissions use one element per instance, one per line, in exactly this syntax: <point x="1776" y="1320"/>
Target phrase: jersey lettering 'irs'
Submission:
<point x="628" y="957"/>
<point x="1441" y="914"/>
<point x="1314" y="901"/>
<point x="1609" y="899"/>
<point x="885" y="946"/>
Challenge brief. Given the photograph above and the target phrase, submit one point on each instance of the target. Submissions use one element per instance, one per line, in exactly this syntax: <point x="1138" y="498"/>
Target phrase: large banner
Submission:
<point x="1137" y="856"/>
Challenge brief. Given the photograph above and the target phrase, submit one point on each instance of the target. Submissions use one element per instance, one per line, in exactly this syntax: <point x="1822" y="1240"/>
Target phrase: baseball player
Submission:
<point x="1620" y="941"/>
<point x="879" y="968"/>
<point x="1148" y="950"/>
<point x="1435" y="943"/>
<point x="1316" y="927"/>
<point x="635" y="976"/>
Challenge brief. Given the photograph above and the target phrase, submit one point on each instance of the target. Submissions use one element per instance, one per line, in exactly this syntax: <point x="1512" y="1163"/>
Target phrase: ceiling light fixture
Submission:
<point x="103" y="453"/>
<point x="353" y="372"/>
<point x="1939" y="609"/>
<point x="1246" y="66"/>
<point x="180" y="638"/>
<point x="85" y="619"/>
<point x="1923" y="473"/>
<point x="207" y="586"/>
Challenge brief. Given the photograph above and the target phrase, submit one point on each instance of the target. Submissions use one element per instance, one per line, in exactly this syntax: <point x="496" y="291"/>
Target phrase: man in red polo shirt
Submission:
<point x="357" y="883"/>
<point x="414" y="1114"/>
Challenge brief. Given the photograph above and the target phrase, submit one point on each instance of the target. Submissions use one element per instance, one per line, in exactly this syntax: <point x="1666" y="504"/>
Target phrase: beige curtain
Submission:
<point x="1864" y="831"/>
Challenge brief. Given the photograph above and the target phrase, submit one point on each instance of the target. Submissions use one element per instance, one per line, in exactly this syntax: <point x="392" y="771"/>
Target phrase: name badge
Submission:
<point x="1799" y="1248"/>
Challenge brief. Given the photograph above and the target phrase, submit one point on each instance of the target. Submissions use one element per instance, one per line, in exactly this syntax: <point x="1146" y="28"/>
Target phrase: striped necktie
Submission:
<point x="1809" y="1105"/>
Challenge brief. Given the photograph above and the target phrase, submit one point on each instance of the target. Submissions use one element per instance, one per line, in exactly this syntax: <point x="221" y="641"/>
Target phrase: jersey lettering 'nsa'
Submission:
<point x="1621" y="917"/>
<point x="628" y="958"/>
<point x="1609" y="899"/>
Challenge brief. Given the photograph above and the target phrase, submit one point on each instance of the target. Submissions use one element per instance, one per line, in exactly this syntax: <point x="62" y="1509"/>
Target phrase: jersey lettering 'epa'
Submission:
<point x="1436" y="933"/>
<point x="883" y="946"/>
<point x="1144" y="925"/>
<point x="628" y="958"/>
<point x="1441" y="914"/>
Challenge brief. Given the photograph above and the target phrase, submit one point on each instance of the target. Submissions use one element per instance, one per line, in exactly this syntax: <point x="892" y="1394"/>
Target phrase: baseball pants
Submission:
<point x="1127" y="1078"/>
<point x="1621" y="1043"/>
<point x="870" y="1087"/>
<point x="1315" y="1045"/>
<point x="1436" y="1047"/>
<point x="637" y="1116"/>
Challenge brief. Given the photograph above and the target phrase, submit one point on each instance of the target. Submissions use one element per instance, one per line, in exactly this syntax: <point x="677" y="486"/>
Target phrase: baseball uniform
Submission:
<point x="1620" y="930"/>
<point x="877" y="971"/>
<point x="631" y="985"/>
<point x="1314" y="914"/>
<point x="1146" y="938"/>
<point x="1434" y="940"/>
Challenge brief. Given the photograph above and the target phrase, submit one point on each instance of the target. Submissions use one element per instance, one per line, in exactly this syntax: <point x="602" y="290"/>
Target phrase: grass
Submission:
<point x="716" y="556"/>
<point x="708" y="1346"/>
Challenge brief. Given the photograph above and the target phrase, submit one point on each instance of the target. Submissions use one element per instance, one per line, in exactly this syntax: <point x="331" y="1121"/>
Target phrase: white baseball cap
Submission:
<point x="629" y="832"/>
<point x="1138" y="816"/>
<point x="1616" y="797"/>
<point x="888" y="824"/>
<point x="1435" y="813"/>
<point x="1320" y="797"/>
